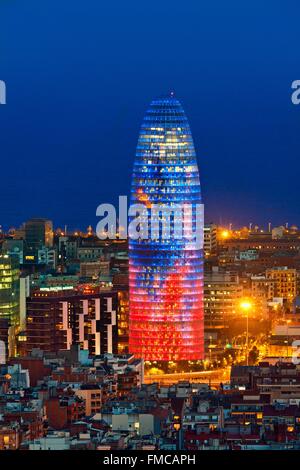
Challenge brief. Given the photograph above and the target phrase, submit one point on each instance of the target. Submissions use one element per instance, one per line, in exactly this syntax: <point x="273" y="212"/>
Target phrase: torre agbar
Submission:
<point x="165" y="275"/>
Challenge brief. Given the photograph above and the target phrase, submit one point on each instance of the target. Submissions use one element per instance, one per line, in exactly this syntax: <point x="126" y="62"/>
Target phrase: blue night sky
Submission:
<point x="80" y="75"/>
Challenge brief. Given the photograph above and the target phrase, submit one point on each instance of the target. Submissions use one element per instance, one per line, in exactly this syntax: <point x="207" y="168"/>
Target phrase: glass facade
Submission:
<point x="9" y="300"/>
<point x="165" y="275"/>
<point x="10" y="288"/>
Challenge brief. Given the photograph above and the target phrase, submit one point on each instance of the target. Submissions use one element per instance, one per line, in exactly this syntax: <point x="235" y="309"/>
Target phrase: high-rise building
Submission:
<point x="262" y="288"/>
<point x="10" y="297"/>
<point x="222" y="291"/>
<point x="24" y="293"/>
<point x="4" y="339"/>
<point x="165" y="275"/>
<point x="38" y="234"/>
<point x="210" y="239"/>
<point x="123" y="321"/>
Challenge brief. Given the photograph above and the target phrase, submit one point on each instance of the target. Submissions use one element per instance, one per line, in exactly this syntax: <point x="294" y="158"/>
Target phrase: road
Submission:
<point x="214" y="377"/>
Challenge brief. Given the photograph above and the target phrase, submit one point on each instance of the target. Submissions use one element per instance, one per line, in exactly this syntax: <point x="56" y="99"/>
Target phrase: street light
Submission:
<point x="287" y="338"/>
<point x="246" y="305"/>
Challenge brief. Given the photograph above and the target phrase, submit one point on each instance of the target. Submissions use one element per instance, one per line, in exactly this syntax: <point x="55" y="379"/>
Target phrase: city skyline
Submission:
<point x="68" y="128"/>
<point x="149" y="230"/>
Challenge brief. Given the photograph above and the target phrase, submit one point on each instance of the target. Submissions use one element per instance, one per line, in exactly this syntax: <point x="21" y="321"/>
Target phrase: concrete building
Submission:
<point x="9" y="437"/>
<point x="210" y="239"/>
<point x="285" y="282"/>
<point x="38" y="234"/>
<point x="56" y="320"/>
<point x="47" y="256"/>
<point x="64" y="410"/>
<point x="124" y="417"/>
<point x="92" y="396"/>
<point x="10" y="297"/>
<point x="94" y="269"/>
<point x="24" y="293"/>
<point x="247" y="255"/>
<point x="89" y="253"/>
<point x="123" y="321"/>
<point x="221" y="293"/>
<point x="55" y="441"/>
<point x="262" y="287"/>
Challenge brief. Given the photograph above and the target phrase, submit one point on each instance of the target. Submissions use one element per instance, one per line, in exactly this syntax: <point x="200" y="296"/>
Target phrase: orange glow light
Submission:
<point x="245" y="305"/>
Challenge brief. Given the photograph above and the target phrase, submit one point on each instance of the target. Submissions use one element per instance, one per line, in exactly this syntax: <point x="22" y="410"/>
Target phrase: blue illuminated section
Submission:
<point x="165" y="276"/>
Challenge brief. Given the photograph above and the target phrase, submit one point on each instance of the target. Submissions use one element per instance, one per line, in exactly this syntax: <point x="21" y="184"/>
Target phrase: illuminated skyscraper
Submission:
<point x="165" y="275"/>
<point x="9" y="300"/>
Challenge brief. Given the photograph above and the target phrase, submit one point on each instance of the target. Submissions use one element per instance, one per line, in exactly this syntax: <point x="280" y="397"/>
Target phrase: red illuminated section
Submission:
<point x="167" y="325"/>
<point x="166" y="274"/>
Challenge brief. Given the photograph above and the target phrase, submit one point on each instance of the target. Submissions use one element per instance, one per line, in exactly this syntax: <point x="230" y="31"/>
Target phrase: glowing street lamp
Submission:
<point x="246" y="306"/>
<point x="225" y="234"/>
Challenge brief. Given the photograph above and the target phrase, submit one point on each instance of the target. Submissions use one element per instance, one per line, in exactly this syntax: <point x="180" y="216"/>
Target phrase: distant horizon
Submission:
<point x="70" y="228"/>
<point x="75" y="103"/>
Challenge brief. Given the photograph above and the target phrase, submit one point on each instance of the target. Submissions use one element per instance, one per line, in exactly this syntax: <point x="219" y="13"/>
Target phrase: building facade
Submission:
<point x="165" y="274"/>
<point x="56" y="320"/>
<point x="9" y="300"/>
<point x="222" y="290"/>
<point x="38" y="234"/>
<point x="210" y="239"/>
<point x="285" y="282"/>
